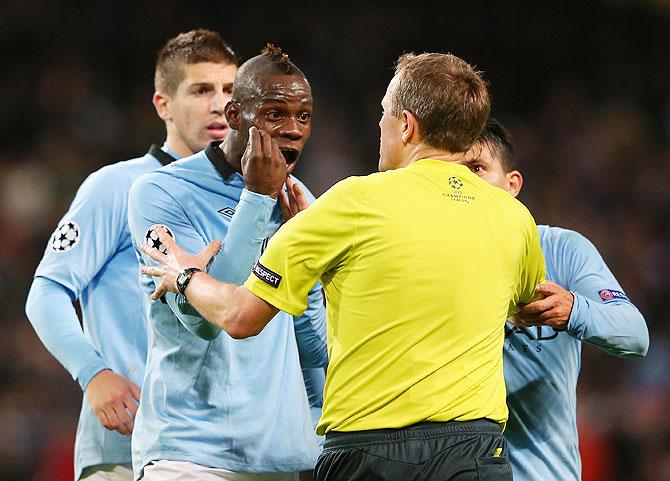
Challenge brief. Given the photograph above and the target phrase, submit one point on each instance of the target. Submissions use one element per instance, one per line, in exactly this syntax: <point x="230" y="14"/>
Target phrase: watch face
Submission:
<point x="181" y="278"/>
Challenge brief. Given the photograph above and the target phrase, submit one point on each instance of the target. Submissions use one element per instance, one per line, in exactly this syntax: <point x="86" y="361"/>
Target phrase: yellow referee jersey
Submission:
<point x="421" y="266"/>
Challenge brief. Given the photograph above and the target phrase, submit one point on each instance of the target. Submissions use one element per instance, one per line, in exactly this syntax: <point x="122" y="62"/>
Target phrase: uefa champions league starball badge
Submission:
<point x="151" y="237"/>
<point x="65" y="237"/>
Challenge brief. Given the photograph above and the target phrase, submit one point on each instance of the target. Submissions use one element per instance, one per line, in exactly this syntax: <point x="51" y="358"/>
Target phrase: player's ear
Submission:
<point x="161" y="103"/>
<point x="233" y="113"/>
<point x="410" y="127"/>
<point x="514" y="182"/>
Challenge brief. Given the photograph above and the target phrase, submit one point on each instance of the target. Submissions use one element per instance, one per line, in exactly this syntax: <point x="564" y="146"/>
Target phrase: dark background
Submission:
<point x="583" y="86"/>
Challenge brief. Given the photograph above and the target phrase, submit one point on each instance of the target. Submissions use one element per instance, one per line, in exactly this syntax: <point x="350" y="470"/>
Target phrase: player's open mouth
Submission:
<point x="290" y="155"/>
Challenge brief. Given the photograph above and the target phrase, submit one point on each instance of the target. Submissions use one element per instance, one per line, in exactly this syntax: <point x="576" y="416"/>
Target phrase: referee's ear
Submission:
<point x="161" y="103"/>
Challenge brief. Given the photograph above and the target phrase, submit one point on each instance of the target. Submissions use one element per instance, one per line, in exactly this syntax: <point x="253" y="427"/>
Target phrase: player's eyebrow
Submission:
<point x="203" y="83"/>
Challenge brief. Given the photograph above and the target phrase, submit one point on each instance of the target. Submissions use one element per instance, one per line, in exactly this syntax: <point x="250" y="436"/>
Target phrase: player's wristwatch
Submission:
<point x="184" y="278"/>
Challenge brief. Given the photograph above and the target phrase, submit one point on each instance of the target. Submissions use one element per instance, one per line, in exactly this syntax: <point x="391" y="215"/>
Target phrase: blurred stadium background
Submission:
<point x="584" y="86"/>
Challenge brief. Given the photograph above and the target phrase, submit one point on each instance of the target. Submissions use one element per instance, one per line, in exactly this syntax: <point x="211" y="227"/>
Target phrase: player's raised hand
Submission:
<point x="170" y="265"/>
<point x="263" y="165"/>
<point x="292" y="200"/>
<point x="553" y="310"/>
<point x="114" y="400"/>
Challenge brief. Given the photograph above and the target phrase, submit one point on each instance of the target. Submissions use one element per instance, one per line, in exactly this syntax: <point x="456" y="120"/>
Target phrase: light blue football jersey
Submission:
<point x="209" y="399"/>
<point x="90" y="256"/>
<point x="542" y="365"/>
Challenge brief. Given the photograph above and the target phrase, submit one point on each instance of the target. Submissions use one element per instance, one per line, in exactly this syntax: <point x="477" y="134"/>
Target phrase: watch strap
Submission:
<point x="184" y="278"/>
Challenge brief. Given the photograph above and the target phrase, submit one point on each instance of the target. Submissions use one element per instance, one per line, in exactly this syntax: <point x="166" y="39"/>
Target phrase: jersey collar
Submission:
<point x="218" y="160"/>
<point x="162" y="156"/>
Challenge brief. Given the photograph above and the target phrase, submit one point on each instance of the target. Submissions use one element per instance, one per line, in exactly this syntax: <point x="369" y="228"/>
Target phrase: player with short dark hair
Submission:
<point x="212" y="407"/>
<point x="188" y="48"/>
<point x="542" y="352"/>
<point x="90" y="258"/>
<point x="421" y="264"/>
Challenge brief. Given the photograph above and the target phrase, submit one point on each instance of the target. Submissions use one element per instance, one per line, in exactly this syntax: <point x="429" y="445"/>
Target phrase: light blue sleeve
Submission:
<point x="235" y="259"/>
<point x="315" y="380"/>
<point x="310" y="327"/>
<point x="84" y="241"/>
<point x="602" y="314"/>
<point x="310" y="331"/>
<point x="150" y="204"/>
<point x="49" y="309"/>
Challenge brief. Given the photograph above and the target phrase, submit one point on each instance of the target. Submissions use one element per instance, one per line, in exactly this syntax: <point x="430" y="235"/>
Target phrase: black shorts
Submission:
<point x="455" y="451"/>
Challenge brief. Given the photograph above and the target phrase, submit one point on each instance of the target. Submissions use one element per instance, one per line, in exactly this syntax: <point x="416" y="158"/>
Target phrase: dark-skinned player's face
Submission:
<point x="280" y="105"/>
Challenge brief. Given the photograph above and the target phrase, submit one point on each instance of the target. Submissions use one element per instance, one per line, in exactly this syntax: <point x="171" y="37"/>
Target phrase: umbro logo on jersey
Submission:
<point x="227" y="211"/>
<point x="65" y="237"/>
<point x="608" y="295"/>
<point x="151" y="237"/>
<point x="266" y="275"/>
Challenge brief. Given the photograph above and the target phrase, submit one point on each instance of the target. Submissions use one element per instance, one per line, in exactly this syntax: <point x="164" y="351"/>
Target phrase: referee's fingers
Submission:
<point x="209" y="251"/>
<point x="152" y="271"/>
<point x="152" y="252"/>
<point x="159" y="292"/>
<point x="166" y="239"/>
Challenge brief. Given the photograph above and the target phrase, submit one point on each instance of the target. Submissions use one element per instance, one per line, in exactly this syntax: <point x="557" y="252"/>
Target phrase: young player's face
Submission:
<point x="390" y="130"/>
<point x="485" y="163"/>
<point x="197" y="106"/>
<point x="282" y="106"/>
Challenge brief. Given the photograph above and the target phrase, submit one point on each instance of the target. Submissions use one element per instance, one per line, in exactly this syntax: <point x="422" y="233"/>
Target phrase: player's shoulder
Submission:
<point x="183" y="169"/>
<point x="561" y="235"/>
<point x="117" y="177"/>
<point x="564" y="241"/>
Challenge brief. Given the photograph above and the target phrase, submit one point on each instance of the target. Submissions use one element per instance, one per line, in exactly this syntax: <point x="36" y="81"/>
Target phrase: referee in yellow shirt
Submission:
<point x="421" y="264"/>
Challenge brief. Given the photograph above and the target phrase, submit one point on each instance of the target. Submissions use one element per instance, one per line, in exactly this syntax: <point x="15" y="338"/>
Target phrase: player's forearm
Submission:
<point x="50" y="311"/>
<point x="310" y="331"/>
<point x="242" y="244"/>
<point x="617" y="328"/>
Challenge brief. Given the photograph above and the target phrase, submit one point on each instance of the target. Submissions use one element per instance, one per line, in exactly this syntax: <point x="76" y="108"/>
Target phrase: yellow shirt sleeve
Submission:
<point x="314" y="242"/>
<point x="534" y="270"/>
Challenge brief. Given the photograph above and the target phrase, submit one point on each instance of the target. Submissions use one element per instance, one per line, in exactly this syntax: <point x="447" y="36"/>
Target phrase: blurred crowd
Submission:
<point x="584" y="90"/>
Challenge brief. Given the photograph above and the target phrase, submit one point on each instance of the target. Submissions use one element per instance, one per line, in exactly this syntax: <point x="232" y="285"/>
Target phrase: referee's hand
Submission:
<point x="170" y="265"/>
<point x="114" y="399"/>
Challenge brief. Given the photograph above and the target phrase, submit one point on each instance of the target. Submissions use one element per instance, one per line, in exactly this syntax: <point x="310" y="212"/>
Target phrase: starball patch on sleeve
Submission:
<point x="609" y="295"/>
<point x="266" y="275"/>
<point x="151" y="237"/>
<point x="65" y="237"/>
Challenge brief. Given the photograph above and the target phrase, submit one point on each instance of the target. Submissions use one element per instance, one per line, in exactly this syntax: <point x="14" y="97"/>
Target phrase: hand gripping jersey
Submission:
<point x="541" y="365"/>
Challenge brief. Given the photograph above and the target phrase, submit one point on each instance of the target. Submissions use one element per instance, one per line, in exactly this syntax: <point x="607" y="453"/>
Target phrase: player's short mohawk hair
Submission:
<point x="270" y="61"/>
<point x="278" y="57"/>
